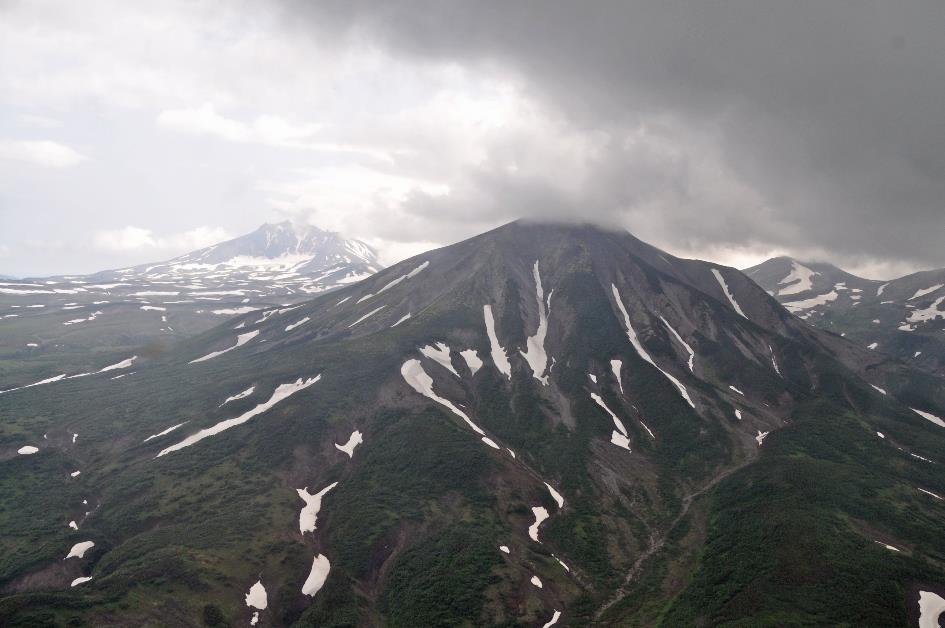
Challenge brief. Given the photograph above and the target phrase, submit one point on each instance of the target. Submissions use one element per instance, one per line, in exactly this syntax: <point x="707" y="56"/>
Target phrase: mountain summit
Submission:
<point x="285" y="246"/>
<point x="540" y="425"/>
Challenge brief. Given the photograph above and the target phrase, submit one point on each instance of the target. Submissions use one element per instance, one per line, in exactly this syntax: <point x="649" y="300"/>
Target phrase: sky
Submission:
<point x="730" y="131"/>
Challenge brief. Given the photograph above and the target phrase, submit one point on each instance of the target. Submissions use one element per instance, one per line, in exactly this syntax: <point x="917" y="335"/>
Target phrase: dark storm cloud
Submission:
<point x="830" y="115"/>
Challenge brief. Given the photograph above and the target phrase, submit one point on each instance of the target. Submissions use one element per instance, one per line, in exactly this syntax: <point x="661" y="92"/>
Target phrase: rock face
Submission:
<point x="652" y="440"/>
<point x="903" y="318"/>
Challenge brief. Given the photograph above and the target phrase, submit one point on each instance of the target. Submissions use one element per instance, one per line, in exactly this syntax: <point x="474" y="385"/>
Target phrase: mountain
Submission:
<point x="541" y="425"/>
<point x="47" y="322"/>
<point x="903" y="318"/>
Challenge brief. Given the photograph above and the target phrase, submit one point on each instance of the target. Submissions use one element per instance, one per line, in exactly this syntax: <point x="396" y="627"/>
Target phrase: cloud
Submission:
<point x="132" y="238"/>
<point x="268" y="130"/>
<point x="44" y="153"/>
<point x="823" y="119"/>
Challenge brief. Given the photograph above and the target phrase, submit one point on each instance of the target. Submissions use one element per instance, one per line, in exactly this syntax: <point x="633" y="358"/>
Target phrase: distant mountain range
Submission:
<point x="541" y="425"/>
<point x="903" y="318"/>
<point x="178" y="298"/>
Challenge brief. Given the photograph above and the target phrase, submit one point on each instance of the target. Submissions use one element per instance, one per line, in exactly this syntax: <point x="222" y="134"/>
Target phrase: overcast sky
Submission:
<point x="730" y="131"/>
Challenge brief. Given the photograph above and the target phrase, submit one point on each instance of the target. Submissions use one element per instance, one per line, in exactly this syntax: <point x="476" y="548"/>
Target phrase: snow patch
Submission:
<point x="353" y="441"/>
<point x="799" y="280"/>
<point x="308" y="516"/>
<point x="806" y="304"/>
<point x="616" y="366"/>
<point x="931" y="606"/>
<point x="256" y="598"/>
<point x="440" y="353"/>
<point x="472" y="360"/>
<point x="317" y="576"/>
<point x="620" y="440"/>
<point x="27" y="450"/>
<point x="540" y="515"/>
<point x="80" y="580"/>
<point x="79" y="549"/>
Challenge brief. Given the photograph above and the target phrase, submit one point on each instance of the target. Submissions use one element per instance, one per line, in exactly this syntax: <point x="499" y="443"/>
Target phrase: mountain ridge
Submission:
<point x="903" y="317"/>
<point x="544" y="424"/>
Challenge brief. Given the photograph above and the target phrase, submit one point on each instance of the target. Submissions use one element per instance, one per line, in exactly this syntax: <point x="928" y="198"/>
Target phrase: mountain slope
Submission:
<point x="904" y="317"/>
<point x="54" y="323"/>
<point x="540" y="424"/>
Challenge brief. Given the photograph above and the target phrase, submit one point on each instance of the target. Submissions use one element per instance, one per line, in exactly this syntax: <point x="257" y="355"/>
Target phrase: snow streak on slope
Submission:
<point x="728" y="293"/>
<point x="281" y="392"/>
<point x="692" y="354"/>
<point x="534" y="352"/>
<point x="635" y="341"/>
<point x="418" y="379"/>
<point x="774" y="361"/>
<point x="617" y="422"/>
<point x="308" y="516"/>
<point x="167" y="431"/>
<point x="239" y="395"/>
<point x="366" y="316"/>
<point x="120" y="365"/>
<point x="241" y="340"/>
<point x="499" y="356"/>
<point x="555" y="495"/>
<point x="925" y="291"/>
<point x="799" y="280"/>
<point x="930" y="417"/>
<point x="410" y="275"/>
<point x="292" y="326"/>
